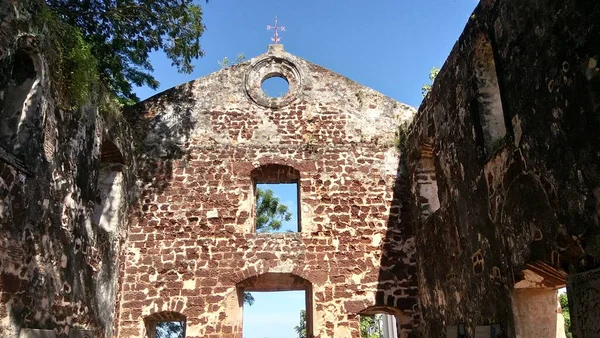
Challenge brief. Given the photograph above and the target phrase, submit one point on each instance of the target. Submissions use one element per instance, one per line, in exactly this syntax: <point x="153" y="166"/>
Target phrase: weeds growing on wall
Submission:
<point x="73" y="67"/>
<point x="400" y="144"/>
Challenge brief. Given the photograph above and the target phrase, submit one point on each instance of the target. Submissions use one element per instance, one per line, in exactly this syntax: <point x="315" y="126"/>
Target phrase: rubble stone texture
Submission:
<point x="512" y="121"/>
<point x="192" y="247"/>
<point x="486" y="205"/>
<point x="58" y="267"/>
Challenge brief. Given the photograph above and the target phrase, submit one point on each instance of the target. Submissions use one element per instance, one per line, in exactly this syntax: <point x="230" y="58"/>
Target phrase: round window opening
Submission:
<point x="275" y="86"/>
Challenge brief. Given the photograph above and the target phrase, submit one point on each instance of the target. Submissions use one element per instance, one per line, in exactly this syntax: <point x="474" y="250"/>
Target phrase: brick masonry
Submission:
<point x="192" y="247"/>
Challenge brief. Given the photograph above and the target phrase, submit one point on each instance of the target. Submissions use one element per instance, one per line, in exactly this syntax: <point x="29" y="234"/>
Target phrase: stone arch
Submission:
<point x="110" y="153"/>
<point x="399" y="318"/>
<point x="20" y="107"/>
<point x="151" y="321"/>
<point x="264" y="269"/>
<point x="275" y="173"/>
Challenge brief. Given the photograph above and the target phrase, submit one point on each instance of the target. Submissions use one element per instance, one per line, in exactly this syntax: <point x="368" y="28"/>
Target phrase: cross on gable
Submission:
<point x="276" y="28"/>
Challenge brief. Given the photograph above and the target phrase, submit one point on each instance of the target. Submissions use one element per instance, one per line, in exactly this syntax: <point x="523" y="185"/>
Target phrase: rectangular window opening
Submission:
<point x="173" y="329"/>
<point x="381" y="325"/>
<point x="277" y="207"/>
<point x="280" y="314"/>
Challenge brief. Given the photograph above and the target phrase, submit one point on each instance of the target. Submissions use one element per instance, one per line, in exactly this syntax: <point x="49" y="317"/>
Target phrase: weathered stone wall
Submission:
<point x="58" y="269"/>
<point x="513" y="121"/>
<point x="192" y="247"/>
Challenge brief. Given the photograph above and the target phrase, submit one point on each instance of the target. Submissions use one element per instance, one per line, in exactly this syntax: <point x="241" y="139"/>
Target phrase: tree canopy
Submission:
<point x="270" y="212"/>
<point x="123" y="33"/>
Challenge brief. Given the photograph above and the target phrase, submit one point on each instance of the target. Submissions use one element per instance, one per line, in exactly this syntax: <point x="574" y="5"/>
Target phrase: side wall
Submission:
<point x="58" y="268"/>
<point x="514" y="122"/>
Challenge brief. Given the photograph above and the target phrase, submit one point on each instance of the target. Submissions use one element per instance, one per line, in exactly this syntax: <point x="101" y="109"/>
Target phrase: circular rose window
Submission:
<point x="271" y="69"/>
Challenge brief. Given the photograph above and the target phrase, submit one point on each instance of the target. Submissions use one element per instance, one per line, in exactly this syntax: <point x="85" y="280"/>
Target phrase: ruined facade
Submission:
<point x="463" y="225"/>
<point x="192" y="246"/>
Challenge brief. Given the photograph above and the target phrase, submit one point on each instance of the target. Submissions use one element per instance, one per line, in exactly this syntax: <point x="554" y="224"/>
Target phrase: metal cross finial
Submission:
<point x="275" y="37"/>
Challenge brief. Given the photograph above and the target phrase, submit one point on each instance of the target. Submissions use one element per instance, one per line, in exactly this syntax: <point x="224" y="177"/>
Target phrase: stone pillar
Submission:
<point x="583" y="290"/>
<point x="535" y="313"/>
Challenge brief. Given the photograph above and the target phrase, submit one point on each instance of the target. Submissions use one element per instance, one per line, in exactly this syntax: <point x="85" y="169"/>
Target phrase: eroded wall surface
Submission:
<point x="512" y="124"/>
<point x="192" y="246"/>
<point x="58" y="268"/>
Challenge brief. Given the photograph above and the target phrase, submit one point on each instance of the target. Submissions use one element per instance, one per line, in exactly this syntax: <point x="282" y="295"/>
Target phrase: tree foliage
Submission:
<point x="564" y="305"/>
<point x="301" y="327"/>
<point x="270" y="212"/>
<point x="248" y="298"/>
<point x="169" y="329"/>
<point x="123" y="33"/>
<point x="433" y="72"/>
<point x="224" y="63"/>
<point x="370" y="326"/>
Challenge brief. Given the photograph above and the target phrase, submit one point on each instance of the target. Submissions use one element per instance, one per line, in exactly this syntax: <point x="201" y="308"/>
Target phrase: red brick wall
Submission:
<point x="192" y="240"/>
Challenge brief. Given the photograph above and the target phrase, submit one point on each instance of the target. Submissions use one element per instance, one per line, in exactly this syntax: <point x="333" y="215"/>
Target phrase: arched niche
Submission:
<point x="490" y="120"/>
<point x="20" y="105"/>
<point x="108" y="210"/>
<point x="426" y="181"/>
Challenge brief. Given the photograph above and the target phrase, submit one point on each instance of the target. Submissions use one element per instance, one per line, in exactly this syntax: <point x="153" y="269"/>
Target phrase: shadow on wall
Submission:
<point x="397" y="288"/>
<point x="163" y="130"/>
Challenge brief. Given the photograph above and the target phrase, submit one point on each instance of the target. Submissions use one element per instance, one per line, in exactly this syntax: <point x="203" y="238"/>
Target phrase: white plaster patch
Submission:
<point x="214" y="213"/>
<point x="284" y="267"/>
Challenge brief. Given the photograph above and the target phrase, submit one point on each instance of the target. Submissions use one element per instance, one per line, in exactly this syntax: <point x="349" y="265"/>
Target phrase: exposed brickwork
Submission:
<point x="192" y="247"/>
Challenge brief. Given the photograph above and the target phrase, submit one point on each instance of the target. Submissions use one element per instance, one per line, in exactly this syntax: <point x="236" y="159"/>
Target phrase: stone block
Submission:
<point x="37" y="333"/>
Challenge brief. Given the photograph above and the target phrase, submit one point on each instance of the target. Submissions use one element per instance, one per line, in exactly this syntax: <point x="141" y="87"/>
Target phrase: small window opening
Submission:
<point x="166" y="324"/>
<point x="275" y="86"/>
<point x="276" y="207"/>
<point x="173" y="329"/>
<point x="381" y="322"/>
<point x="379" y="325"/>
<point x="277" y="199"/>
<point x="489" y="102"/>
<point x="427" y="182"/>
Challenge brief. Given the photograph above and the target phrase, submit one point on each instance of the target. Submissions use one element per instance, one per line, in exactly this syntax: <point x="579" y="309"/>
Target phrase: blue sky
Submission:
<point x="388" y="45"/>
<point x="273" y="314"/>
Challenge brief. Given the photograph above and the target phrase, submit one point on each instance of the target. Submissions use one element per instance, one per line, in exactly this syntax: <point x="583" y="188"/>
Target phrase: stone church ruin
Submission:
<point x="461" y="218"/>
